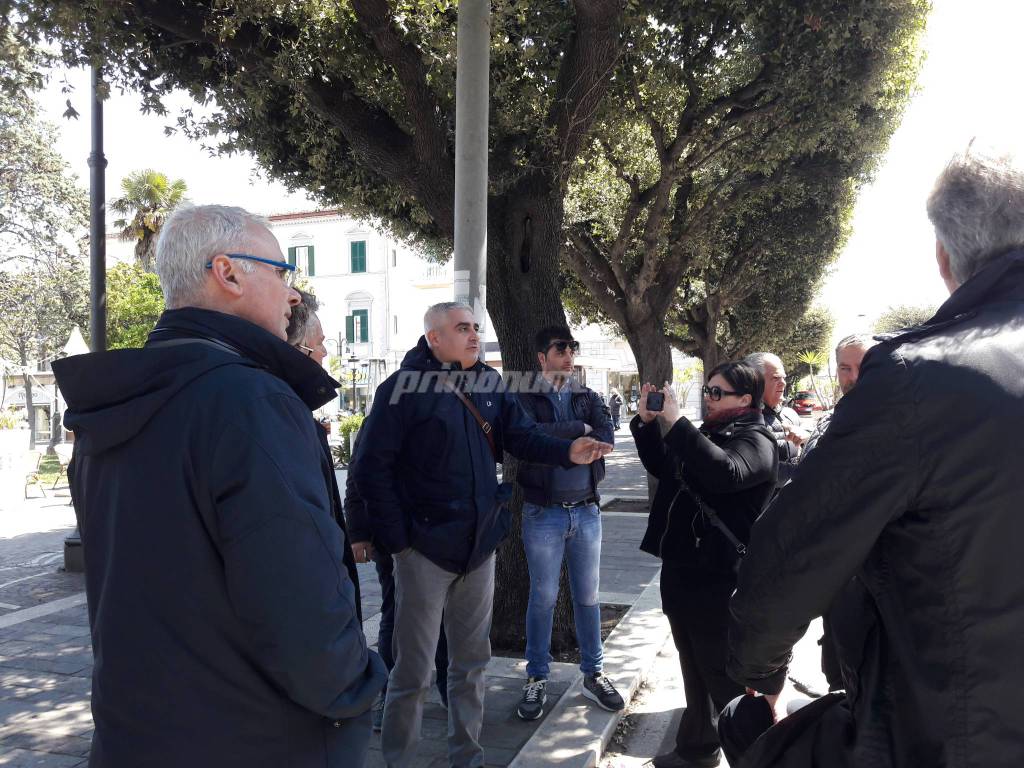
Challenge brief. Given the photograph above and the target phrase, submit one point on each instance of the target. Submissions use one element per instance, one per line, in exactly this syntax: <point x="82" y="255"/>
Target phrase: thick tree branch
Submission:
<point x="590" y="57"/>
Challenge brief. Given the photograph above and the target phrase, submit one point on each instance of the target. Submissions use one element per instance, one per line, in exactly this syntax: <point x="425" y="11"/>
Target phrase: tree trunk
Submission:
<point x="30" y="410"/>
<point x="524" y="233"/>
<point x="652" y="352"/>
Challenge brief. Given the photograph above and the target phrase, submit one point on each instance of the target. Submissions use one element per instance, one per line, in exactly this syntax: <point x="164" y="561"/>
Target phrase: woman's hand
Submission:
<point x="646" y="416"/>
<point x="670" y="413"/>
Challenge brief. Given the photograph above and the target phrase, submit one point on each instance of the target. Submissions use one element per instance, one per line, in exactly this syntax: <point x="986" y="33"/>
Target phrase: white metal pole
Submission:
<point x="472" y="100"/>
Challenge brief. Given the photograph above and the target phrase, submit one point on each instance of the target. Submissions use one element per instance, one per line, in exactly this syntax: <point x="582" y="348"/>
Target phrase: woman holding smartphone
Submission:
<point x="713" y="482"/>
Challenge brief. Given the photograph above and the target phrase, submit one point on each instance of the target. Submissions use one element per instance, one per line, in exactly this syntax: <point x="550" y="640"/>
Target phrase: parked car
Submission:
<point x="805" y="403"/>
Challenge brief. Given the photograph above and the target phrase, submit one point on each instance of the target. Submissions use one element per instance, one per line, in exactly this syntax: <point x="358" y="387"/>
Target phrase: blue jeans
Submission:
<point x="549" y="533"/>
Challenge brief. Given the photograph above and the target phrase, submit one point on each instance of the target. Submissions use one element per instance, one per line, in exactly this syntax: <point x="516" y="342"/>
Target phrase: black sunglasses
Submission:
<point x="715" y="393"/>
<point x="561" y="346"/>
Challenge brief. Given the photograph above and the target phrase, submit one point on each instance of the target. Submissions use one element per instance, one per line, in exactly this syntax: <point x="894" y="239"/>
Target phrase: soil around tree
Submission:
<point x="611" y="615"/>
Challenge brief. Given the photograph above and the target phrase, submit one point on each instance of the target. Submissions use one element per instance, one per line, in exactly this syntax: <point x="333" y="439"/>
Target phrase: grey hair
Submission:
<point x="758" y="359"/>
<point x="438" y="311"/>
<point x="977" y="209"/>
<point x="854" y="340"/>
<point x="302" y="313"/>
<point x="191" y="236"/>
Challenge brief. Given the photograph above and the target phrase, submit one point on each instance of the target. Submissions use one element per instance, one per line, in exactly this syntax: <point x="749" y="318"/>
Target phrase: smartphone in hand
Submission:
<point x="655" y="401"/>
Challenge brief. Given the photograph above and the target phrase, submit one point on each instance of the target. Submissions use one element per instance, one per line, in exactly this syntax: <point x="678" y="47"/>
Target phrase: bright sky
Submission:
<point x="965" y="90"/>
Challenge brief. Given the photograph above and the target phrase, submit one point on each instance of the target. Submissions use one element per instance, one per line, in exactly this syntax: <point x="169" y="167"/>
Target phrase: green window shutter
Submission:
<point x="364" y="324"/>
<point x="291" y="256"/>
<point x="310" y="269"/>
<point x="350" y="329"/>
<point x="359" y="256"/>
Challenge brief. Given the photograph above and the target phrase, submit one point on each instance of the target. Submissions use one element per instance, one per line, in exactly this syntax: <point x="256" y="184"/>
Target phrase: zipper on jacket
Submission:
<point x="668" y="520"/>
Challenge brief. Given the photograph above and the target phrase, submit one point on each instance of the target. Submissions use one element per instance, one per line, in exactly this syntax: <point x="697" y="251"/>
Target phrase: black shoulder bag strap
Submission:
<point x="715" y="520"/>
<point x="484" y="424"/>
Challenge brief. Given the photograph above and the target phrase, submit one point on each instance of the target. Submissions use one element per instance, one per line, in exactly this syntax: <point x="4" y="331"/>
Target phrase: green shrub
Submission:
<point x="345" y="427"/>
<point x="9" y="420"/>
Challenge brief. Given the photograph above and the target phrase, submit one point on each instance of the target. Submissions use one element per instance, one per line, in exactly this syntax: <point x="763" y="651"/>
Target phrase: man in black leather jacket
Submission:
<point x="914" y="493"/>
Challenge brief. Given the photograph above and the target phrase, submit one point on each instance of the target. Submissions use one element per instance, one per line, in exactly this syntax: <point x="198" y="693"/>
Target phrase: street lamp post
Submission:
<point x="353" y="366"/>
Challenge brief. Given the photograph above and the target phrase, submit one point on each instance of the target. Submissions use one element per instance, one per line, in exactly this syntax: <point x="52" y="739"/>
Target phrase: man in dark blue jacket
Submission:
<point x="222" y="605"/>
<point x="425" y="468"/>
<point x="561" y="518"/>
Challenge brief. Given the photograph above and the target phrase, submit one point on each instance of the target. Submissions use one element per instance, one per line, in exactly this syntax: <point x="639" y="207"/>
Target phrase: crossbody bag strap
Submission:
<point x="707" y="509"/>
<point x="484" y="424"/>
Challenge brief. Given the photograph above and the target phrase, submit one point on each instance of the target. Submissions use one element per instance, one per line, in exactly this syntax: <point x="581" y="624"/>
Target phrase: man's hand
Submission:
<point x="796" y="435"/>
<point x="362" y="551"/>
<point x="585" y="450"/>
<point x="771" y="698"/>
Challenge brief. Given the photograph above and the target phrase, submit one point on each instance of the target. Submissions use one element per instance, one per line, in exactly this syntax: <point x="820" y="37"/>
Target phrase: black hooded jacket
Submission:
<point x="423" y="466"/>
<point x="914" y="493"/>
<point x="224" y="620"/>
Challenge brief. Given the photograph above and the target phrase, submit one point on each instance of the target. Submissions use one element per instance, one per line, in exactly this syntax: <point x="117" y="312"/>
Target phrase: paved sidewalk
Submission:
<point x="46" y="660"/>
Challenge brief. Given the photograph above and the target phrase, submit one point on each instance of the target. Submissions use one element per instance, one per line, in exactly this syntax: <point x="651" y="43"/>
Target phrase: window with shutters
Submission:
<point x="302" y="256"/>
<point x="357" y="326"/>
<point x="358" y="256"/>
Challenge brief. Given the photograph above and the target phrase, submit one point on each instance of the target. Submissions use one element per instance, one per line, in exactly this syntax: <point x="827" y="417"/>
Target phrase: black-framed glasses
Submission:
<point x="308" y="350"/>
<point x="561" y="345"/>
<point x="284" y="270"/>
<point x="715" y="393"/>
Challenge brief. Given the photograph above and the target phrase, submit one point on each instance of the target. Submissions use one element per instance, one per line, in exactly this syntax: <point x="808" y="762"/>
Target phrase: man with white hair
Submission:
<point x="425" y="468"/>
<point x="908" y="515"/>
<point x="222" y="600"/>
<point x="780" y="419"/>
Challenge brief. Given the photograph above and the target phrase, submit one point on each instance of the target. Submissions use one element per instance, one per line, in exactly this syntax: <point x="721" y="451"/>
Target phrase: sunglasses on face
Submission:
<point x="561" y="346"/>
<point x="715" y="393"/>
<point x="284" y="270"/>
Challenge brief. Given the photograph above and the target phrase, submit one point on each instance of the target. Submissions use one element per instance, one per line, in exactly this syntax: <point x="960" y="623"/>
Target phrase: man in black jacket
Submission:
<point x="222" y="598"/>
<point x="561" y="517"/>
<point x="913" y="493"/>
<point x="782" y="420"/>
<point x="426" y="470"/>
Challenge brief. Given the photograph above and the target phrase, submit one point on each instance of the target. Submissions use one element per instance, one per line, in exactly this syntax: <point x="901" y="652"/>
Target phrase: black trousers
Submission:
<point x="697" y="607"/>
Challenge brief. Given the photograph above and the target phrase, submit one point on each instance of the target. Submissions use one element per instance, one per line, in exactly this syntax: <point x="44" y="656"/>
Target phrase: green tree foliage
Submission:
<point x="812" y="332"/>
<point x="147" y="198"/>
<point x="729" y="150"/>
<point x="43" y="212"/>
<point x="43" y="217"/>
<point x="903" y="316"/>
<point x="134" y="304"/>
<point x="39" y="305"/>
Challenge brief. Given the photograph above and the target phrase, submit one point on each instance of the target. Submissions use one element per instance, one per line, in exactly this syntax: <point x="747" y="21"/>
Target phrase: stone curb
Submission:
<point x="607" y="501"/>
<point x="576" y="731"/>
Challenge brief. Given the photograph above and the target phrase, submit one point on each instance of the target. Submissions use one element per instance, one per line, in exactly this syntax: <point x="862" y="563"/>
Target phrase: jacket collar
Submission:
<point x="1001" y="280"/>
<point x="234" y="335"/>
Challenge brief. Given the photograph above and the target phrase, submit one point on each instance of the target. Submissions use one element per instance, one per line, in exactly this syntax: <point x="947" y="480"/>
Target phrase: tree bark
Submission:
<point x="30" y="410"/>
<point x="652" y="351"/>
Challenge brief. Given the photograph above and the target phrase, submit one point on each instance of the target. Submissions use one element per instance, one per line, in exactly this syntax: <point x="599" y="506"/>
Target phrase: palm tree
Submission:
<point x="815" y="359"/>
<point x="147" y="198"/>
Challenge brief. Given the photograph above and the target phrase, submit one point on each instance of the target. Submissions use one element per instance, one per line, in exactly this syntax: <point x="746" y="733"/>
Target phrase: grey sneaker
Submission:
<point x="531" y="706"/>
<point x="378" y="715"/>
<point x="600" y="689"/>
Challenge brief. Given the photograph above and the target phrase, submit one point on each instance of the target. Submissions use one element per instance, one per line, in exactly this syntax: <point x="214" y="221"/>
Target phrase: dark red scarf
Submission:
<point x="729" y="415"/>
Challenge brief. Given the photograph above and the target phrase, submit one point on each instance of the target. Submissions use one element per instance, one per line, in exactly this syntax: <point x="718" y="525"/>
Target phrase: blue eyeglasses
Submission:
<point x="284" y="270"/>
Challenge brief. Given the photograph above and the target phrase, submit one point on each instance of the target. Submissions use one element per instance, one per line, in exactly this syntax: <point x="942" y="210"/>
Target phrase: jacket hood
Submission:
<point x="111" y="396"/>
<point x="420" y="358"/>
